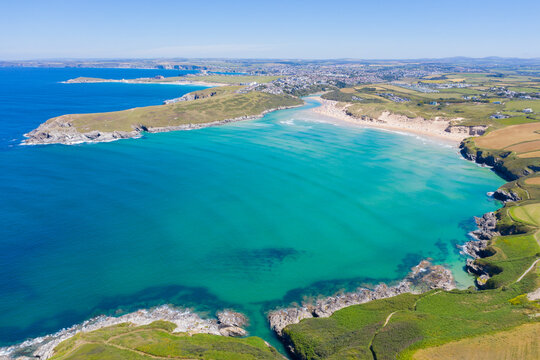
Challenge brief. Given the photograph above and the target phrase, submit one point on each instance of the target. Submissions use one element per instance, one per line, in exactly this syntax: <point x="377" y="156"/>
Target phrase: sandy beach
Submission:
<point x="388" y="121"/>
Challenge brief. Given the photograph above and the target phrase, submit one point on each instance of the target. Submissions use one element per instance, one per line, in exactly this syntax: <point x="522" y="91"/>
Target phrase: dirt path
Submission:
<point x="388" y="318"/>
<point x="527" y="271"/>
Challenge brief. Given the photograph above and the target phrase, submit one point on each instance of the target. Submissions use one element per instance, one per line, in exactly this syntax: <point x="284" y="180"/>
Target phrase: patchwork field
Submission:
<point x="525" y="135"/>
<point x="533" y="181"/>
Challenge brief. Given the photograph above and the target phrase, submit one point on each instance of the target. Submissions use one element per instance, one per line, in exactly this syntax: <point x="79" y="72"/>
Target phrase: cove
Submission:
<point x="250" y="215"/>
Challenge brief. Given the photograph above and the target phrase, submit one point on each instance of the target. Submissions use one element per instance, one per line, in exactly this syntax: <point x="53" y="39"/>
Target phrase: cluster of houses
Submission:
<point x="393" y="97"/>
<point x="505" y="92"/>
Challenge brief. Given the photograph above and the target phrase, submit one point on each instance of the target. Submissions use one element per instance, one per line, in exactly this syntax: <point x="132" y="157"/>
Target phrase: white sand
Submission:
<point x="432" y="128"/>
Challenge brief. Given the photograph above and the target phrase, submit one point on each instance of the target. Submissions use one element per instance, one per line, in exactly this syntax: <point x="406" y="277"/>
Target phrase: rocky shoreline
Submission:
<point x="423" y="277"/>
<point x="60" y="131"/>
<point x="228" y="323"/>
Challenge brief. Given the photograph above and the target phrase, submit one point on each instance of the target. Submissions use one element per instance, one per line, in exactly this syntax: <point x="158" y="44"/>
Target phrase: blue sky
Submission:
<point x="268" y="29"/>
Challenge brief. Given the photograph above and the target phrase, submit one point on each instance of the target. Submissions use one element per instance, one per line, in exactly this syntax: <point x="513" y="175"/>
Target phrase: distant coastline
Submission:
<point x="85" y="80"/>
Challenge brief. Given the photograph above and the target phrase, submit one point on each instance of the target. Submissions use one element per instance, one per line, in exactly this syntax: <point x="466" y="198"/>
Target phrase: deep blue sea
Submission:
<point x="248" y="216"/>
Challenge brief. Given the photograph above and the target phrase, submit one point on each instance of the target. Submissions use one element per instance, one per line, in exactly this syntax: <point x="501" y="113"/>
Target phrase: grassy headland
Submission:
<point x="207" y="107"/>
<point x="157" y="340"/>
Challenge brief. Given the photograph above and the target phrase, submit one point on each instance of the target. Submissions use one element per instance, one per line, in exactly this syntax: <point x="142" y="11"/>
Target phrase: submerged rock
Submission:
<point x="422" y="277"/>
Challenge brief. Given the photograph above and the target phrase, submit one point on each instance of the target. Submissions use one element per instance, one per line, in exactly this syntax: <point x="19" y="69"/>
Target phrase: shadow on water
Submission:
<point x="202" y="301"/>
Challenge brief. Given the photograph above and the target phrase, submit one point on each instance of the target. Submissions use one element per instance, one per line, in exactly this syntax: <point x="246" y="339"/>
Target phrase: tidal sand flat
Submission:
<point x="248" y="216"/>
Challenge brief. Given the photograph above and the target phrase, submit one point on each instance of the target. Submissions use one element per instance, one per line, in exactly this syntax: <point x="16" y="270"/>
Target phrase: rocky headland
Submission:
<point x="423" y="277"/>
<point x="60" y="130"/>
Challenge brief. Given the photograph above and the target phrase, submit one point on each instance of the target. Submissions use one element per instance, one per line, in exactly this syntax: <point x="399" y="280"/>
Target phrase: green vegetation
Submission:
<point x="348" y="332"/>
<point x="226" y="104"/>
<point x="129" y="342"/>
<point x="529" y="214"/>
<point x="414" y="322"/>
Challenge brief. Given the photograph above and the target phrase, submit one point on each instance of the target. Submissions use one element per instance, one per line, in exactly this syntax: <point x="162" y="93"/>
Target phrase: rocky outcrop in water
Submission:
<point x="487" y="227"/>
<point x="478" y="248"/>
<point x="229" y="323"/>
<point x="505" y="195"/>
<point x="422" y="277"/>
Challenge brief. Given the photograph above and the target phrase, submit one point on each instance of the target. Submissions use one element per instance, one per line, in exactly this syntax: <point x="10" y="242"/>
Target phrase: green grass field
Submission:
<point x="417" y="321"/>
<point x="156" y="340"/>
<point x="527" y="213"/>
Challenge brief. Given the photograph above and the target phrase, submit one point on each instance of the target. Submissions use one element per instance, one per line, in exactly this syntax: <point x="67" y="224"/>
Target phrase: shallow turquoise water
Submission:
<point x="250" y="215"/>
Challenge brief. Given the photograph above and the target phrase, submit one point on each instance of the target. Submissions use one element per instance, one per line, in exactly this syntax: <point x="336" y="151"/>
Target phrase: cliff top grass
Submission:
<point x="397" y="327"/>
<point x="157" y="340"/>
<point x="529" y="213"/>
<point x="225" y="105"/>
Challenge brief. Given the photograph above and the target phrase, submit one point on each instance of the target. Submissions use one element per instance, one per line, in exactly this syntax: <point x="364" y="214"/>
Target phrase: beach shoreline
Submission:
<point x="430" y="129"/>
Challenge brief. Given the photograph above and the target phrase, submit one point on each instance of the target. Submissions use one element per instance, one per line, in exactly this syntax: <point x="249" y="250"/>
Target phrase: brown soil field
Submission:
<point x="519" y="343"/>
<point x="502" y="138"/>
<point x="533" y="181"/>
<point x="525" y="146"/>
<point x="531" y="154"/>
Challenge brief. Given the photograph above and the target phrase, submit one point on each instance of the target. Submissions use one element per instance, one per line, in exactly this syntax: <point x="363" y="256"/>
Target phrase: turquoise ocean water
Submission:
<point x="249" y="216"/>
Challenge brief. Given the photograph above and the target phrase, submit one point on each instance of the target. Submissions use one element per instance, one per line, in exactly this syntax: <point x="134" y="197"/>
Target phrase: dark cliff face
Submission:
<point x="506" y="164"/>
